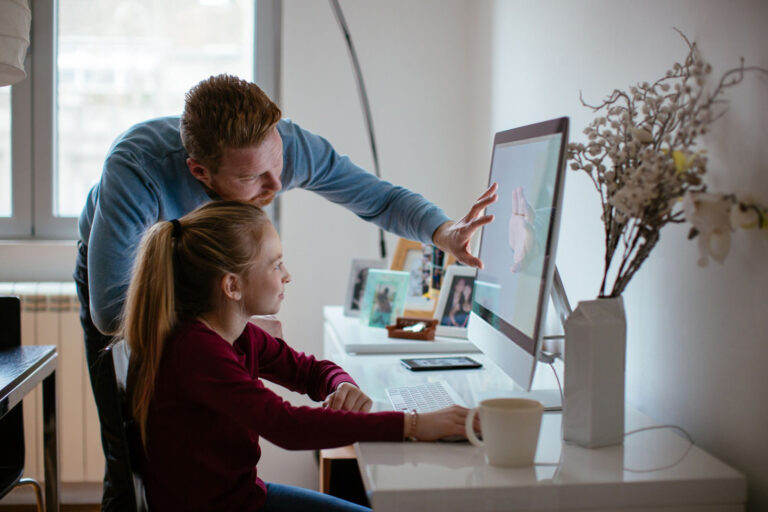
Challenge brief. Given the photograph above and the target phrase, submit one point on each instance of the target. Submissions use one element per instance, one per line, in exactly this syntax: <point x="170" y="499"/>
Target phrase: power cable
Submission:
<point x="363" y="100"/>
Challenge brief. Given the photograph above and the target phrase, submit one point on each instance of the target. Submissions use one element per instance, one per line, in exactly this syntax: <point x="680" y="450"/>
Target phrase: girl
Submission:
<point x="197" y="363"/>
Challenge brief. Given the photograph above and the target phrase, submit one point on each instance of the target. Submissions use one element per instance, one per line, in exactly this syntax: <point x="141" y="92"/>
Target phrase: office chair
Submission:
<point x="12" y="423"/>
<point x="117" y="356"/>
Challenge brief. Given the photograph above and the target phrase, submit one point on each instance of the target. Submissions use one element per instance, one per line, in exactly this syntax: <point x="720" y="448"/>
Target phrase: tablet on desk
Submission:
<point x="421" y="364"/>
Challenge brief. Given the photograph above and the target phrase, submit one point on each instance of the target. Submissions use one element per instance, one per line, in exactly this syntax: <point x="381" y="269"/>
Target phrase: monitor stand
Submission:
<point x="549" y="398"/>
<point x="552" y="349"/>
<point x="552" y="346"/>
<point x="559" y="298"/>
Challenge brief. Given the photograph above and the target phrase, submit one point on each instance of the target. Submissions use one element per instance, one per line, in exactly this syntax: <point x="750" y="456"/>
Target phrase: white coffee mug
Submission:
<point x="510" y="428"/>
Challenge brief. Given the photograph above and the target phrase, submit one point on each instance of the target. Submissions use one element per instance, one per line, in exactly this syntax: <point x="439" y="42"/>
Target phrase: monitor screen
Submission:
<point x="518" y="247"/>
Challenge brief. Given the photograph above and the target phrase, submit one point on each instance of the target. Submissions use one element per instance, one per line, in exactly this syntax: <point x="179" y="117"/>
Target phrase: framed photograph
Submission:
<point x="439" y="261"/>
<point x="405" y="252"/>
<point x="357" y="277"/>
<point x="414" y="258"/>
<point x="455" y="302"/>
<point x="384" y="297"/>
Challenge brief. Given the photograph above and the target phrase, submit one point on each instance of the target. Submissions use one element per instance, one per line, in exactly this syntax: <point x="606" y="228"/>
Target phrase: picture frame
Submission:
<point x="455" y="302"/>
<point x="414" y="258"/>
<point x="440" y="261"/>
<point x="404" y="250"/>
<point x="384" y="297"/>
<point x="356" y="286"/>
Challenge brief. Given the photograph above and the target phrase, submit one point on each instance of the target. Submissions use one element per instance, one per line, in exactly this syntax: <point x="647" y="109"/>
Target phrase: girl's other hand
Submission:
<point x="348" y="397"/>
<point x="269" y="323"/>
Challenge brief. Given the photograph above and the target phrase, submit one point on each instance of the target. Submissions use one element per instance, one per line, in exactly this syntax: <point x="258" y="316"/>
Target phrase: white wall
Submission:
<point x="698" y="337"/>
<point x="429" y="99"/>
<point x="37" y="260"/>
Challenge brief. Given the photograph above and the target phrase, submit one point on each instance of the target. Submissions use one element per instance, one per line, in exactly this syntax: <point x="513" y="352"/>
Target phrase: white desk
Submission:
<point x="655" y="470"/>
<point x="360" y="339"/>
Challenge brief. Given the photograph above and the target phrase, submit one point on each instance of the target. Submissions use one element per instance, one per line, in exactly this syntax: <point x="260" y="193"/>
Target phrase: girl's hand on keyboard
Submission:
<point x="348" y="397"/>
<point x="447" y="422"/>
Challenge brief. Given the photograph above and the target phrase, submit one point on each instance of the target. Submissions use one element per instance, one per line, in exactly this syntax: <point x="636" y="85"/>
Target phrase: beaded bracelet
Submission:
<point x="414" y="421"/>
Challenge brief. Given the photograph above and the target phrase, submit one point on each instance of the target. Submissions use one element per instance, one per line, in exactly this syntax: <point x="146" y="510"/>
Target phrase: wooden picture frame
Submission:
<point x="404" y="247"/>
<point x="356" y="285"/>
<point x="455" y="302"/>
<point x="414" y="258"/>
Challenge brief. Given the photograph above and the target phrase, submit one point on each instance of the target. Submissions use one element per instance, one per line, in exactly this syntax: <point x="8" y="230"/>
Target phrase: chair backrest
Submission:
<point x="12" y="422"/>
<point x="118" y="356"/>
<point x="10" y="322"/>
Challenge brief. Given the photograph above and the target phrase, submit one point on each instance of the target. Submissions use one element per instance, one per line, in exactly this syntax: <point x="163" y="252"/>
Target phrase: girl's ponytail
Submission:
<point x="149" y="316"/>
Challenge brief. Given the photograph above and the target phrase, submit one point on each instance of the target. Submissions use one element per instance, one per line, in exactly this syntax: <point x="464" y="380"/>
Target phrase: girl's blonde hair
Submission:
<point x="178" y="266"/>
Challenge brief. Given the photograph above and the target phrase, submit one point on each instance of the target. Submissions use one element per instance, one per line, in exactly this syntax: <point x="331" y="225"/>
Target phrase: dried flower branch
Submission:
<point x="642" y="157"/>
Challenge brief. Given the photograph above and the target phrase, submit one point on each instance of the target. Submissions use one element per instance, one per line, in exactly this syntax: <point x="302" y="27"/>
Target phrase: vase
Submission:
<point x="595" y="356"/>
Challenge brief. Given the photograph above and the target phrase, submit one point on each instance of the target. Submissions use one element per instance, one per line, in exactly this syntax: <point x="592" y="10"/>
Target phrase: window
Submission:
<point x="98" y="68"/>
<point x="5" y="151"/>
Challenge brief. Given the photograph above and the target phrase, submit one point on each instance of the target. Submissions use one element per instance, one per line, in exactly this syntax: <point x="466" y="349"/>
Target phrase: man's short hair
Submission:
<point x="224" y="111"/>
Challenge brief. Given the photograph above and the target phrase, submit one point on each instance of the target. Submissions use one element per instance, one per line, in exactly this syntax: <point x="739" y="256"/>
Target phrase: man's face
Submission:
<point x="250" y="175"/>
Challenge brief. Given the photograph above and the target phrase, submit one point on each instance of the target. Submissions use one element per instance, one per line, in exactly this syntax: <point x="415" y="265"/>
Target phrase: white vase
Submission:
<point x="595" y="355"/>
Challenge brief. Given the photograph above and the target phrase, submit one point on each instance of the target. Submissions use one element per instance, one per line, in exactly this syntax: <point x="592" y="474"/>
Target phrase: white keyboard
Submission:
<point x="422" y="398"/>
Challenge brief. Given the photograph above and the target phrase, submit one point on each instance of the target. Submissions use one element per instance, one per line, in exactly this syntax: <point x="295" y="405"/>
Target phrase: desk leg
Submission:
<point x="327" y="457"/>
<point x="50" y="444"/>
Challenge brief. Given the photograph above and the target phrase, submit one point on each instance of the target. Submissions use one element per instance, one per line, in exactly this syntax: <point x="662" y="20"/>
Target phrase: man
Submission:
<point x="229" y="143"/>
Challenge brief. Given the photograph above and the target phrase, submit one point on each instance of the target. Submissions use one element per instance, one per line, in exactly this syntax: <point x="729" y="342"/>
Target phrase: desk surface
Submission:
<point x="361" y="339"/>
<point x="21" y="369"/>
<point x="654" y="468"/>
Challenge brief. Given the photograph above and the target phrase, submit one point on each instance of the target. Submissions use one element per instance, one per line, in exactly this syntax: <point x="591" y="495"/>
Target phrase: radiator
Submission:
<point x="49" y="316"/>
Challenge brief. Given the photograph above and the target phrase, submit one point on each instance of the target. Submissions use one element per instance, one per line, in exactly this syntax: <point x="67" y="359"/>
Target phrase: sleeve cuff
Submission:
<point x="340" y="379"/>
<point x="430" y="224"/>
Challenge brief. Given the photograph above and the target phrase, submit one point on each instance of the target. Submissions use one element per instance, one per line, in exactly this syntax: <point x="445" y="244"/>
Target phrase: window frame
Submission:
<point x="17" y="225"/>
<point x="33" y="121"/>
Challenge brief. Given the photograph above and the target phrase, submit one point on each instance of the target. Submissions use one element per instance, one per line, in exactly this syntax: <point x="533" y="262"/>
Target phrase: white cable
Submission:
<point x="558" y="464"/>
<point x="673" y="464"/>
<point x="631" y="432"/>
<point x="363" y="101"/>
<point x="676" y="427"/>
<point x="559" y="386"/>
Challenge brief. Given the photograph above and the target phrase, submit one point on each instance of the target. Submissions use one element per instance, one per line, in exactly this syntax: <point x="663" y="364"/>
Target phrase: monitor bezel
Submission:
<point x="529" y="345"/>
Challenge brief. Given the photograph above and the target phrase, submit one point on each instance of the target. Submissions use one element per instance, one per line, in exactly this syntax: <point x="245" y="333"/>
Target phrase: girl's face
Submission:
<point x="265" y="280"/>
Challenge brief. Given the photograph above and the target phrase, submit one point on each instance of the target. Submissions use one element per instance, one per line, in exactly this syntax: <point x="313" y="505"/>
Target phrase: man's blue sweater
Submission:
<point x="146" y="180"/>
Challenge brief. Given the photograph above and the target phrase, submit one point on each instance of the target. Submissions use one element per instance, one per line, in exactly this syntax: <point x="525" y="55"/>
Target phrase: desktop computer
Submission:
<point x="511" y="291"/>
<point x="518" y="248"/>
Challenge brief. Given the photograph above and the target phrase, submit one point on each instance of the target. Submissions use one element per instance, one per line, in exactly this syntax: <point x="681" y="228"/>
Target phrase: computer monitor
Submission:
<point x="509" y="303"/>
